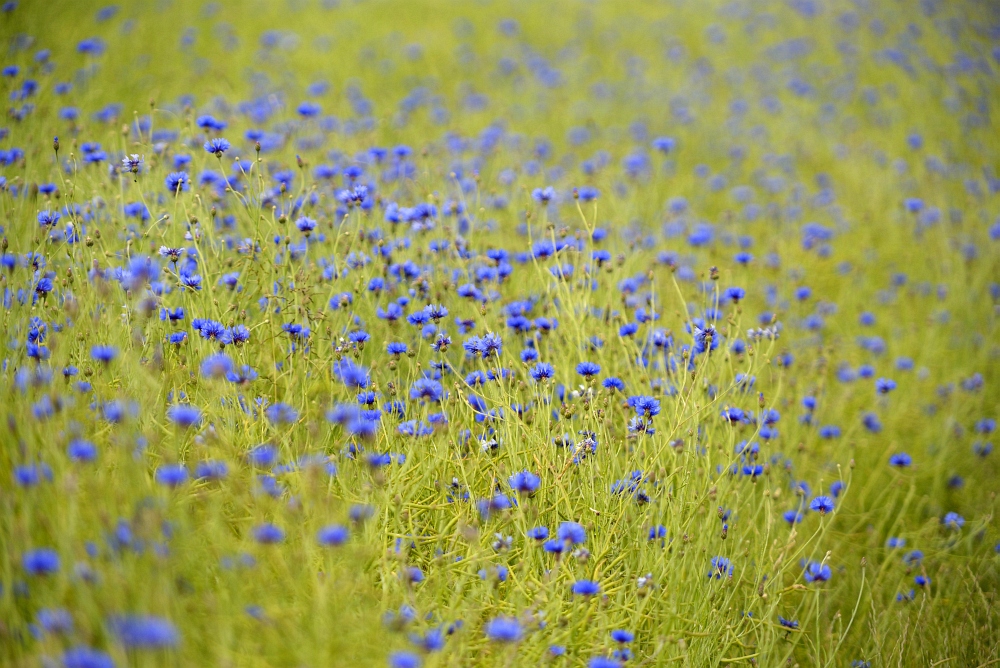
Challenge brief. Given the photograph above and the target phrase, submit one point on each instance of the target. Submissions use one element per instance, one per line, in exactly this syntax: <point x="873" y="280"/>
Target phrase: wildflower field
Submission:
<point x="573" y="333"/>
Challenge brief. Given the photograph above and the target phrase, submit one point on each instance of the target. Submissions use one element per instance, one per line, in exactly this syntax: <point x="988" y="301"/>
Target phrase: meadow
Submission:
<point x="477" y="333"/>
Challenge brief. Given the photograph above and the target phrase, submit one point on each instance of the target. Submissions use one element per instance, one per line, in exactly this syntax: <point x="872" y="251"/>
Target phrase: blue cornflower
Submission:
<point x="613" y="383"/>
<point x="29" y="475"/>
<point x="628" y="329"/>
<point x="404" y="660"/>
<point x="48" y="218"/>
<point x="177" y="182"/>
<point x="171" y="475"/>
<point x="41" y="561"/>
<point x="435" y="312"/>
<point x="871" y="422"/>
<point x="586" y="588"/>
<point x="432" y="641"/>
<point x="268" y="534"/>
<point x="735" y="294"/>
<point x="208" y="329"/>
<point x="351" y="374"/>
<point x="211" y="470"/>
<point x="901" y="460"/>
<point x="192" y="281"/>
<point x="622" y="636"/>
<point x="103" y="354"/>
<point x="554" y="546"/>
<point x="144" y="632"/>
<point x="543" y="195"/>
<point x="542" y="371"/>
<point x="81" y="451"/>
<point x="360" y="512"/>
<point x="396" y="349"/>
<point x="172" y="315"/>
<point x="218" y="365"/>
<point x="184" y="415"/>
<point x="829" y="431"/>
<point x="885" y="385"/>
<point x="720" y="566"/>
<point x="588" y="369"/>
<point x="639" y="425"/>
<point x="473" y="346"/>
<point x="85" y="657"/>
<point x="953" y="520"/>
<point x="281" y="413"/>
<point x="788" y="623"/>
<point x="306" y="225"/>
<point x="441" y="342"/>
<point x="601" y="256"/>
<point x="817" y="572"/>
<point x="525" y="482"/>
<point x="218" y="146"/>
<point x="308" y="109"/>
<point x="604" y="662"/>
<point x="644" y="405"/>
<point x="538" y="533"/>
<point x="245" y="374"/>
<point x="426" y="389"/>
<point x="490" y="344"/>
<point x="413" y="575"/>
<point x="982" y="449"/>
<point x="822" y="505"/>
<point x="496" y="503"/>
<point x="333" y="535"/>
<point x="391" y="312"/>
<point x="264" y="455"/>
<point x="572" y="533"/>
<point x="235" y="336"/>
<point x="664" y="144"/>
<point x="132" y="163"/>
<point x="732" y="414"/>
<point x="503" y="629"/>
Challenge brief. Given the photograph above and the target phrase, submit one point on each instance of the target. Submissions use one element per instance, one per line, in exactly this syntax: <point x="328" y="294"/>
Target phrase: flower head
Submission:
<point x="184" y="415"/>
<point x="41" y="561"/>
<point x="572" y="533"/>
<point x="217" y="146"/>
<point x="817" y="572"/>
<point x="822" y="505"/>
<point x="177" y="182"/>
<point x="503" y="630"/>
<point x="144" y="632"/>
<point x="525" y="482"/>
<point x="721" y="566"/>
